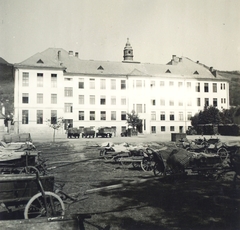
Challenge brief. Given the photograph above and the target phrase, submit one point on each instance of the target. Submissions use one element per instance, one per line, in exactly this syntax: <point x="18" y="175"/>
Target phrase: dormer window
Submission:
<point x="196" y="72"/>
<point x="40" y="61"/>
<point x="168" y="71"/>
<point x="100" y="68"/>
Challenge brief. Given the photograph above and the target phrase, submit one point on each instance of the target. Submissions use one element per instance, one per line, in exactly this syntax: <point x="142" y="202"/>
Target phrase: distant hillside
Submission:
<point x="6" y="86"/>
<point x="234" y="86"/>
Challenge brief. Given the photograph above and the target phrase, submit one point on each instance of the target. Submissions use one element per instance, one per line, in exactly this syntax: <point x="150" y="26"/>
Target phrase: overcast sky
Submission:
<point x="204" y="30"/>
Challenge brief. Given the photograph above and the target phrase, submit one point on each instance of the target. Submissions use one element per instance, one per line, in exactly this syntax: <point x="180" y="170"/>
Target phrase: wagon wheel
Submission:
<point x="125" y="163"/>
<point x="36" y="208"/>
<point x="223" y="153"/>
<point x="147" y="164"/>
<point x="157" y="172"/>
<point x="106" y="155"/>
<point x="136" y="164"/>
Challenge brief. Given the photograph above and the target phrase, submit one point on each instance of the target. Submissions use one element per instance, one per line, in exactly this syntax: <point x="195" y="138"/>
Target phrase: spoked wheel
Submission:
<point x="157" y="171"/>
<point x="36" y="208"/>
<point x="125" y="163"/>
<point x="147" y="164"/>
<point x="106" y="155"/>
<point x="136" y="164"/>
<point x="223" y="153"/>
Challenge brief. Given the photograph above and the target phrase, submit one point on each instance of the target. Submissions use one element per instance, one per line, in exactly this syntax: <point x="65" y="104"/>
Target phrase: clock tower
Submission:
<point x="128" y="52"/>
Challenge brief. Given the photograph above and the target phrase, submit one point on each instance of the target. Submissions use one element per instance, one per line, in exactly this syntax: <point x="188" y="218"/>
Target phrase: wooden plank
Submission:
<point x="41" y="223"/>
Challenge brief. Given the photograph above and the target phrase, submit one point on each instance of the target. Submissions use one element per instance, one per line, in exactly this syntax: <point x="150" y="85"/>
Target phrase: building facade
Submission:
<point x="86" y="93"/>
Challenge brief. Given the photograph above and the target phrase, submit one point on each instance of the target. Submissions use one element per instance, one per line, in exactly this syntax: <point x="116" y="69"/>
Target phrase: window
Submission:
<point x="180" y="116"/>
<point x="39" y="98"/>
<point x="180" y="84"/>
<point x="171" y="102"/>
<point x="123" y="101"/>
<point x="189" y="102"/>
<point x="172" y="128"/>
<point x="81" y="99"/>
<point x="102" y="100"/>
<point x="153" y="116"/>
<point x="103" y="115"/>
<point x="81" y="115"/>
<point x="123" y="116"/>
<point x="113" y="115"/>
<point x="152" y="83"/>
<point x="113" y="84"/>
<point x="198" y="87"/>
<point x="161" y="83"/>
<point x="92" y="99"/>
<point x="92" y="83"/>
<point x="163" y="128"/>
<point x="139" y="108"/>
<point x="39" y="117"/>
<point x="189" y="116"/>
<point x="39" y="79"/>
<point x="54" y="80"/>
<point x="92" y="115"/>
<point x="25" y="98"/>
<point x="54" y="98"/>
<point x="206" y="100"/>
<point x="123" y="129"/>
<point x="102" y="84"/>
<point x="138" y="83"/>
<point x="180" y="103"/>
<point x="68" y="91"/>
<point x="198" y="101"/>
<point x="189" y="85"/>
<point x="123" y="84"/>
<point x="81" y="83"/>
<point x="222" y="85"/>
<point x="162" y="102"/>
<point x="214" y="87"/>
<point x="68" y="107"/>
<point x="171" y="116"/>
<point x="25" y="117"/>
<point x="162" y="116"/>
<point x="171" y="83"/>
<point x="25" y="79"/>
<point x="113" y="100"/>
<point x="153" y="102"/>
<point x="153" y="129"/>
<point x="205" y="87"/>
<point x="53" y="116"/>
<point x="215" y="102"/>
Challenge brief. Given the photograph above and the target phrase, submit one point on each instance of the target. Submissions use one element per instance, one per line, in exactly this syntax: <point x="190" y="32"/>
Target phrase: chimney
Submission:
<point x="70" y="53"/>
<point x="76" y="54"/>
<point x="59" y="55"/>
<point x="173" y="57"/>
<point x="211" y="69"/>
<point x="197" y="62"/>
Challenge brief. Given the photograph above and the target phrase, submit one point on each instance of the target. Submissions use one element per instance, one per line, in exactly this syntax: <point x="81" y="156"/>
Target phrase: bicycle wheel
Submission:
<point x="222" y="153"/>
<point x="35" y="207"/>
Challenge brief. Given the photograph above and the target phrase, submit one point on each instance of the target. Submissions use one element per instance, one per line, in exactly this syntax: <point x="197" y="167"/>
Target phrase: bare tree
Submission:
<point x="55" y="123"/>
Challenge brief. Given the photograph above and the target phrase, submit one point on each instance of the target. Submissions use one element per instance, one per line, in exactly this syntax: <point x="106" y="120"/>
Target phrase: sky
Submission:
<point x="207" y="31"/>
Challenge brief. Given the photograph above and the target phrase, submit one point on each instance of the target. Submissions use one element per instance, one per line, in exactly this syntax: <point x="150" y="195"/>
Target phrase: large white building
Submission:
<point x="87" y="93"/>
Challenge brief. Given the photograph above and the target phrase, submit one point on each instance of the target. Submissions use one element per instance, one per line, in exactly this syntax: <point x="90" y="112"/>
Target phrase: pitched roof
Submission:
<point x="60" y="58"/>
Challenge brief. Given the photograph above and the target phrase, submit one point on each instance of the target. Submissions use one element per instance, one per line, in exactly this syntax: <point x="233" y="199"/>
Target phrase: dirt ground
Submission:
<point x="140" y="200"/>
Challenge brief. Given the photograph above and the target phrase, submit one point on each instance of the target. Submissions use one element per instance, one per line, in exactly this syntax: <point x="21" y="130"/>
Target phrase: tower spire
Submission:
<point x="128" y="52"/>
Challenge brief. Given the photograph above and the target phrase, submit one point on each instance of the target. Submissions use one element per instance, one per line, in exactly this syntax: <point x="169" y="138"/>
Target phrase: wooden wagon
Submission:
<point x="31" y="194"/>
